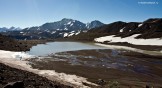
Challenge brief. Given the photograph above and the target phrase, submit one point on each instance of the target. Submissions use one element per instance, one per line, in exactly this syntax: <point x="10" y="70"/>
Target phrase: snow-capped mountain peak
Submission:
<point x="59" y="28"/>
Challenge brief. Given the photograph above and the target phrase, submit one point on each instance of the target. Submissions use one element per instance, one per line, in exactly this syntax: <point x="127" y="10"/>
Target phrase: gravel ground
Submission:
<point x="28" y="79"/>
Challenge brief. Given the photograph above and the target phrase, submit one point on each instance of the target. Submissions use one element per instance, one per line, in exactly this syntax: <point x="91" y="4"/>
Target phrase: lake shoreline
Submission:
<point x="143" y="47"/>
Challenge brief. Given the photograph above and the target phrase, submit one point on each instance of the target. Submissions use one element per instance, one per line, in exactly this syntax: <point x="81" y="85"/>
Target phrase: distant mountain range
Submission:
<point x="4" y="29"/>
<point x="74" y="29"/>
<point x="63" y="28"/>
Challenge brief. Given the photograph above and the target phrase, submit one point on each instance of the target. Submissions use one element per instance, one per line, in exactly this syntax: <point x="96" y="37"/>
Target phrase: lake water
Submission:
<point x="120" y="59"/>
<point x="54" y="47"/>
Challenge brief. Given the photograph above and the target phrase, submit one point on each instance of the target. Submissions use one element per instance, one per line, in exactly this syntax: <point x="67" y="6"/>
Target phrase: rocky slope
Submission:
<point x="15" y="78"/>
<point x="10" y="44"/>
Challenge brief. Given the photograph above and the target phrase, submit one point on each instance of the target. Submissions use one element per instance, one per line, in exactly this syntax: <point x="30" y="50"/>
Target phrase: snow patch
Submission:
<point x="39" y="32"/>
<point x="38" y="28"/>
<point x="131" y="40"/>
<point x="71" y="24"/>
<point x="53" y="32"/>
<point x="47" y="30"/>
<point x="71" y="34"/>
<point x="21" y="55"/>
<point x="140" y="25"/>
<point x="72" y="31"/>
<point x="121" y="30"/>
<point x="15" y="55"/>
<point x="28" y="28"/>
<point x="85" y="31"/>
<point x="65" y="29"/>
<point x="77" y="33"/>
<point x="65" y="34"/>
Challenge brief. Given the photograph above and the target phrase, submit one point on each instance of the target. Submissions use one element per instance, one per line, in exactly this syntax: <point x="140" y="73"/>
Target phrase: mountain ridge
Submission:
<point x="59" y="29"/>
<point x="5" y="29"/>
<point x="150" y="28"/>
<point x="69" y="28"/>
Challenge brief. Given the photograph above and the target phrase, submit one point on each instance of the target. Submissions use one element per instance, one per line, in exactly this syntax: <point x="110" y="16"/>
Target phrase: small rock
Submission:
<point x="147" y="86"/>
<point x="1" y="79"/>
<point x="101" y="82"/>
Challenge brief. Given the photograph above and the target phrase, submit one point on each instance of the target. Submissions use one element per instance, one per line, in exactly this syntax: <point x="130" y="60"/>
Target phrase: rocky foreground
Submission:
<point x="15" y="78"/>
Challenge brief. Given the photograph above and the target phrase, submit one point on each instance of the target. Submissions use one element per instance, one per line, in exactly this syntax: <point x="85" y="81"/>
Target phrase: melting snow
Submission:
<point x="131" y="40"/>
<point x="15" y="55"/>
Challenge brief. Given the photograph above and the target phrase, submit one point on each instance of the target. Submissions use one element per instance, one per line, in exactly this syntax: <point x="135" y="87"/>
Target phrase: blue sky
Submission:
<point x="26" y="13"/>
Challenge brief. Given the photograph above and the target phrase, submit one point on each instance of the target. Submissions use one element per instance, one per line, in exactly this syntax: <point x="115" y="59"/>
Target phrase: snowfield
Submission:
<point x="18" y="60"/>
<point x="15" y="55"/>
<point x="130" y="39"/>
